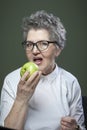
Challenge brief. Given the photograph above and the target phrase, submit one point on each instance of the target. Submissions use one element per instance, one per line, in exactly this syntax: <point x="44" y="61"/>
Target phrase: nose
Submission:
<point x="35" y="49"/>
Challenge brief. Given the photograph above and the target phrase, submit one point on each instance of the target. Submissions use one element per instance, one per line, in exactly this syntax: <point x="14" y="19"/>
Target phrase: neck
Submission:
<point x="50" y="70"/>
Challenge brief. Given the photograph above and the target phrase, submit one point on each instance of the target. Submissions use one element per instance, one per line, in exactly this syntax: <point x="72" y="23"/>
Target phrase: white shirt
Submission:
<point x="57" y="95"/>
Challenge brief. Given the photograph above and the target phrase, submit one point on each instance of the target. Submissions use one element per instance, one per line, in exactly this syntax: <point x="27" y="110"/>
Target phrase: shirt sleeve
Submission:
<point x="7" y="99"/>
<point x="76" y="108"/>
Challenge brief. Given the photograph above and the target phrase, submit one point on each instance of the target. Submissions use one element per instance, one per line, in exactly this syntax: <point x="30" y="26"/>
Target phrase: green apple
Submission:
<point x="29" y="66"/>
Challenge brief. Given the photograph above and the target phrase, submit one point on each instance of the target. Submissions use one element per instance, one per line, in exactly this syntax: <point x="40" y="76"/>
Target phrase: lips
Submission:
<point x="37" y="60"/>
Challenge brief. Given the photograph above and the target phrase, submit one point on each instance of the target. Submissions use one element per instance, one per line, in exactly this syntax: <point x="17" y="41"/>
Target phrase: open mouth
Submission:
<point x="37" y="60"/>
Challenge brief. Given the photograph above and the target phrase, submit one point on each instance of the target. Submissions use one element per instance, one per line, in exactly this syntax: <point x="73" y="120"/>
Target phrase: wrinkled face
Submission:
<point x="44" y="59"/>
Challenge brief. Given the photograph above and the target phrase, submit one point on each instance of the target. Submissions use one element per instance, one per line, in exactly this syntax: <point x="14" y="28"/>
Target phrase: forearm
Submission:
<point x="17" y="116"/>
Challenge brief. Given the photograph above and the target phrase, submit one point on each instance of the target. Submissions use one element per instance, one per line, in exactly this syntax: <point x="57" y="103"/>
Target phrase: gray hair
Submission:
<point x="43" y="20"/>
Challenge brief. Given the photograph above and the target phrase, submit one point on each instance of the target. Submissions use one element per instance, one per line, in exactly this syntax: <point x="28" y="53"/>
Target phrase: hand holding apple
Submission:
<point x="27" y="87"/>
<point x="29" y="66"/>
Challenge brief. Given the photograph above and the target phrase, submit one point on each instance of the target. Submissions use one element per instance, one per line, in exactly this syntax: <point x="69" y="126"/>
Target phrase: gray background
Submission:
<point x="73" y="14"/>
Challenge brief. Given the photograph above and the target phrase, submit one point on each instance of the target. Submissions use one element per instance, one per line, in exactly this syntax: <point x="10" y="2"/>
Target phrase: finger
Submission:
<point x="68" y="122"/>
<point x="68" y="119"/>
<point x="25" y="76"/>
<point x="34" y="79"/>
<point x="31" y="84"/>
<point x="33" y="76"/>
<point x="65" y="128"/>
<point x="65" y="124"/>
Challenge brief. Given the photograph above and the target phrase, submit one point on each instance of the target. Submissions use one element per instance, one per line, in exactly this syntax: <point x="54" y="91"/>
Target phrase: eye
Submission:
<point x="29" y="44"/>
<point x="44" y="43"/>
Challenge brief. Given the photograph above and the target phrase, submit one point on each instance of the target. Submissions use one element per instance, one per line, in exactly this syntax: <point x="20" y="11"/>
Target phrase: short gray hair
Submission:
<point x="43" y="20"/>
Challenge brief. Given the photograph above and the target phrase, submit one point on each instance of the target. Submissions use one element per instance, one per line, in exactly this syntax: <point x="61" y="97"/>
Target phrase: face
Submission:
<point x="44" y="59"/>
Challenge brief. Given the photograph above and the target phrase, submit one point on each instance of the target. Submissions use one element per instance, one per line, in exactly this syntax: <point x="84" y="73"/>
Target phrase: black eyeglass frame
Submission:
<point x="35" y="44"/>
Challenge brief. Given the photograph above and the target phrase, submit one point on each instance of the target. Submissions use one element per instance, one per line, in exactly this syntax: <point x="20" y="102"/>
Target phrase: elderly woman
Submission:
<point x="51" y="98"/>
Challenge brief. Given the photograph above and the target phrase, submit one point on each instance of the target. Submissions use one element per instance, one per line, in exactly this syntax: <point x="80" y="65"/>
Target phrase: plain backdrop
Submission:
<point x="73" y="14"/>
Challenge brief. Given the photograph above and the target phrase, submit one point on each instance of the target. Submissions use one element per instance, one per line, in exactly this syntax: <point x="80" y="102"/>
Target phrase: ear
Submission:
<point x="58" y="51"/>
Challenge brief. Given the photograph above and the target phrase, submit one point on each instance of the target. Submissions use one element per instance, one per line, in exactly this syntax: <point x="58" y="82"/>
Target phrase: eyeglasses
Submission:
<point x="41" y="45"/>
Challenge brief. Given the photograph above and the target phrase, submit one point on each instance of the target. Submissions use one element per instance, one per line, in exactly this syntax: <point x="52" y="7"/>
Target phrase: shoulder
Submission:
<point x="68" y="76"/>
<point x="70" y="83"/>
<point x="13" y="76"/>
<point x="69" y="79"/>
<point x="14" y="73"/>
<point x="10" y="83"/>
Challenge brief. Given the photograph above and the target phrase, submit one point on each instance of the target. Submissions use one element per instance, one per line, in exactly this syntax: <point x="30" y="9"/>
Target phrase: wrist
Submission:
<point x="20" y="102"/>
